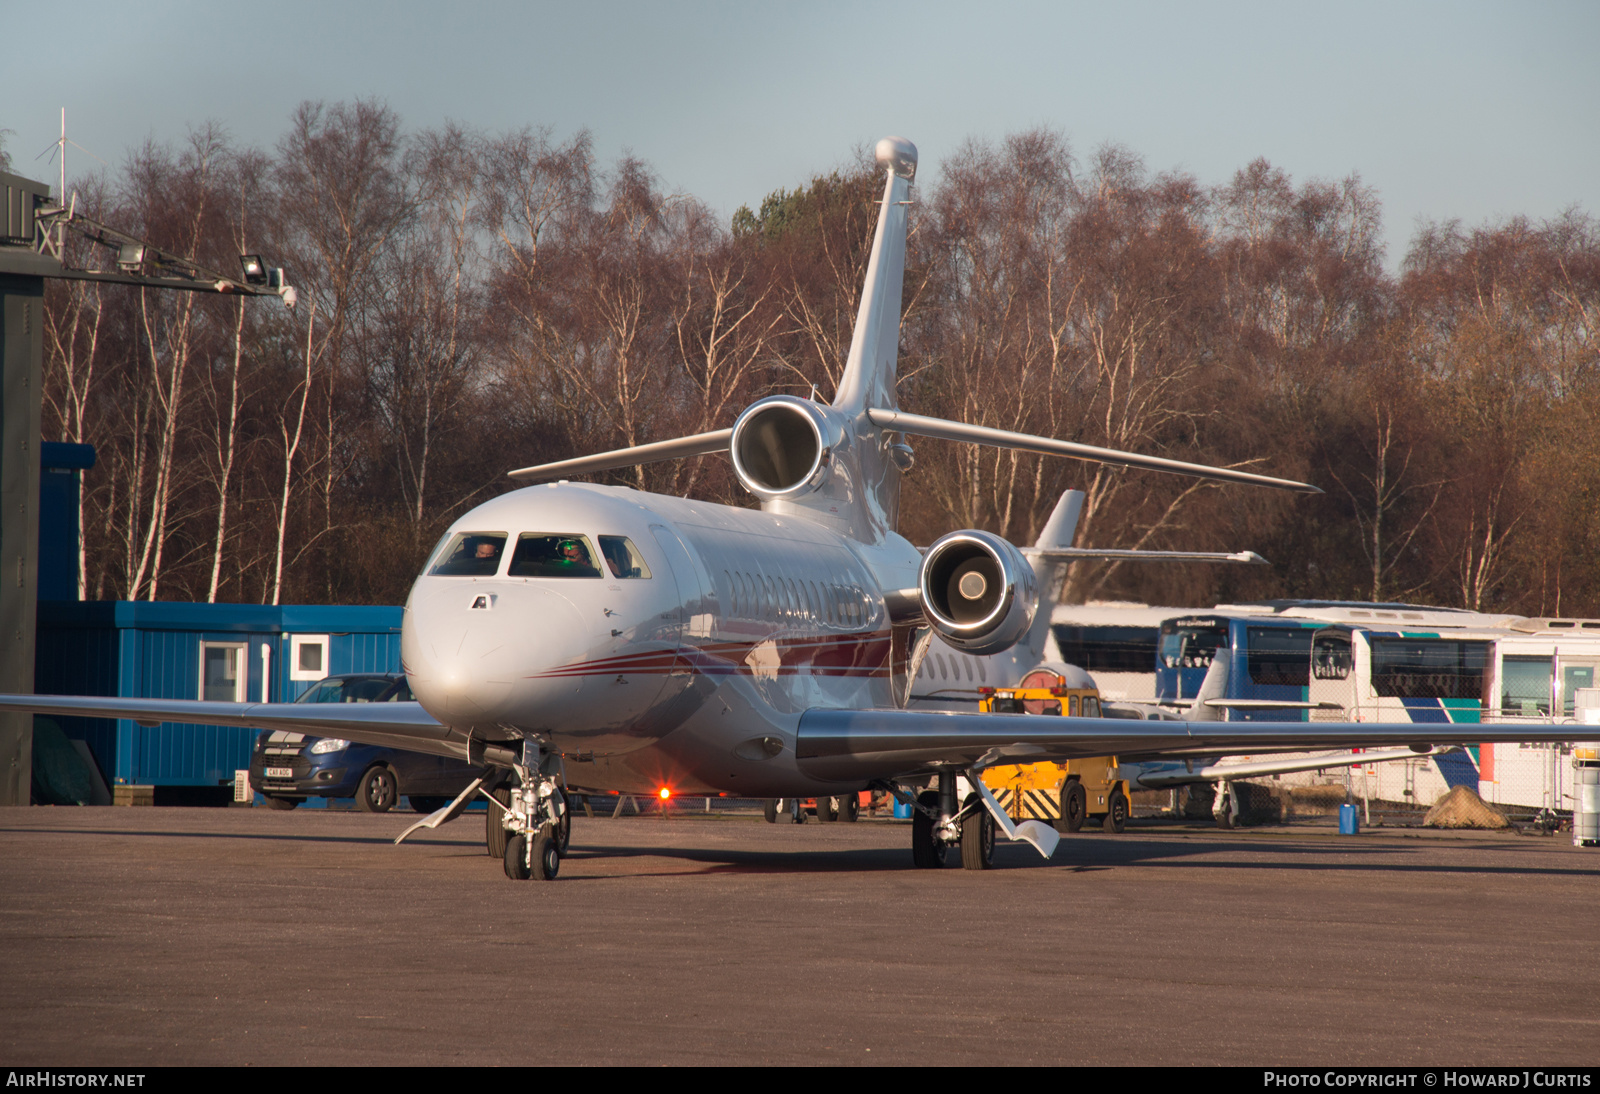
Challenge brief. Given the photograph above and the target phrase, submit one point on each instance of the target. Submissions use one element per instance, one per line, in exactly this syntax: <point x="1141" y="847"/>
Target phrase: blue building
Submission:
<point x="173" y="650"/>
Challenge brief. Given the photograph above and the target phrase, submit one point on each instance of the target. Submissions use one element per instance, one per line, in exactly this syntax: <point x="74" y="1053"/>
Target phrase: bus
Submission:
<point x="1115" y="641"/>
<point x="1525" y="670"/>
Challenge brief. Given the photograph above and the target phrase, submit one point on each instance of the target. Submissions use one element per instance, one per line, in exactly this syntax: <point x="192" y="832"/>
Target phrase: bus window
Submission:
<point x="1525" y="686"/>
<point x="1107" y="649"/>
<point x="1330" y="655"/>
<point x="1428" y="668"/>
<point x="1192" y="643"/>
<point x="1279" y="655"/>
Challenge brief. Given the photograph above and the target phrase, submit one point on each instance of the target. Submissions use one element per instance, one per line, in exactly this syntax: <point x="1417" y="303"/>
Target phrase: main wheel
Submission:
<point x="282" y="803"/>
<point x="378" y="791"/>
<point x="977" y="836"/>
<point x="515" y="860"/>
<point x="1225" y="814"/>
<point x="824" y="809"/>
<point x="1116" y="812"/>
<point x="926" y="852"/>
<point x="1074" y="805"/>
<point x="494" y="832"/>
<point x="564" y="829"/>
<point x="769" y="810"/>
<point x="850" y="808"/>
<point x="546" y="854"/>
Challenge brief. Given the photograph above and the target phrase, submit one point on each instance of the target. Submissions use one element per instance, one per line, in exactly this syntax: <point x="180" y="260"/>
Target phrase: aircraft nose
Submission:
<point x="467" y="645"/>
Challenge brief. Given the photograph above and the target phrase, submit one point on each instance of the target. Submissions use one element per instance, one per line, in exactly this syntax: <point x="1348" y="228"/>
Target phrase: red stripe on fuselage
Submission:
<point x="817" y="655"/>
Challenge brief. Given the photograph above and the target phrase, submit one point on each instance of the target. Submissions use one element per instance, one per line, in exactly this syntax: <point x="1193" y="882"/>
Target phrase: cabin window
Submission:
<point x="222" y="672"/>
<point x="622" y="557"/>
<point x="470" y="554"/>
<point x="553" y="554"/>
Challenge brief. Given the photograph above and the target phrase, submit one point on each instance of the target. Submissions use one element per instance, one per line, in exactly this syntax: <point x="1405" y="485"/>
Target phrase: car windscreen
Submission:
<point x="553" y="554"/>
<point x="470" y="554"/>
<point x="339" y="689"/>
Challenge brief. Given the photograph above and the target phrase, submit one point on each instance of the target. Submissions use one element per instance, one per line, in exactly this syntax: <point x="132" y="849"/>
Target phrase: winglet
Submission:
<point x="869" y="372"/>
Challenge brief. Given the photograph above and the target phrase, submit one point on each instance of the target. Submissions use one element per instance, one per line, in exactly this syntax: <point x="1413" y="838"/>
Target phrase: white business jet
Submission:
<point x="619" y="640"/>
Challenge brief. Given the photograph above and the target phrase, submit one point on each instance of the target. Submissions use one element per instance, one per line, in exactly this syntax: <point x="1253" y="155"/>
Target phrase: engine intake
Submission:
<point x="978" y="591"/>
<point x="782" y="447"/>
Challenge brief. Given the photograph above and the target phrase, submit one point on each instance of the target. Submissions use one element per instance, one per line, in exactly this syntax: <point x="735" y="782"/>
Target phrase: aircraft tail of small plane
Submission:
<point x="791" y="452"/>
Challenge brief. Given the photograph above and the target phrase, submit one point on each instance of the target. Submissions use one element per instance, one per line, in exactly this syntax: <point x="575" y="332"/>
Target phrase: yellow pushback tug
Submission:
<point x="1065" y="794"/>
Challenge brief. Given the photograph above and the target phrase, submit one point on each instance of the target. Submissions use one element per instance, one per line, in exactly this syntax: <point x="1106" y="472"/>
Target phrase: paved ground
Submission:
<point x="172" y="936"/>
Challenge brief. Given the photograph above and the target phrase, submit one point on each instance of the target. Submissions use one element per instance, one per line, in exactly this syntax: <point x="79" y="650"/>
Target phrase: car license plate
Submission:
<point x="280" y="772"/>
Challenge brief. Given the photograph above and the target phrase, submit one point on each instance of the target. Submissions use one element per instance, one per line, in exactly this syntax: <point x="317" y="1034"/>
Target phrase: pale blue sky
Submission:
<point x="1468" y="110"/>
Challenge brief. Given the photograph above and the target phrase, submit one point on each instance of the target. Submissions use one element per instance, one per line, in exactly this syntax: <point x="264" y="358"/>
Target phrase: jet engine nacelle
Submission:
<point x="783" y="446"/>
<point x="978" y="591"/>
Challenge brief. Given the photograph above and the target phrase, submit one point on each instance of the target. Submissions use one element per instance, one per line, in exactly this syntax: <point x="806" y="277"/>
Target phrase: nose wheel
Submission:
<point x="535" y="819"/>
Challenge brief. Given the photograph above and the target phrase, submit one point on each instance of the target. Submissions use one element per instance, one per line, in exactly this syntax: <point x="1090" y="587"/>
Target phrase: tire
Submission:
<point x="769" y="810"/>
<point x="378" y="791"/>
<point x="1116" y="812"/>
<point x="546" y="854"/>
<point x="564" y="829"/>
<point x="850" y="808"/>
<point x="1225" y="816"/>
<point x="282" y="803"/>
<point x="1074" y="805"/>
<point x="516" y="868"/>
<point x="494" y="833"/>
<point x="977" y="837"/>
<point x="926" y="852"/>
<point x="825" y="809"/>
<point x="426" y="803"/>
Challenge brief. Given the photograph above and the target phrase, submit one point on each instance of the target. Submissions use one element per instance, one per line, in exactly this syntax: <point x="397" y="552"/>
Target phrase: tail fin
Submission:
<point x="869" y="372"/>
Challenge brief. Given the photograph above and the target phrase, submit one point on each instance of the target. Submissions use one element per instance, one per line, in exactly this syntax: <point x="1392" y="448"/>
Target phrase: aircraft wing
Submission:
<point x="1210" y="773"/>
<point x="388" y="725"/>
<point x="847" y="745"/>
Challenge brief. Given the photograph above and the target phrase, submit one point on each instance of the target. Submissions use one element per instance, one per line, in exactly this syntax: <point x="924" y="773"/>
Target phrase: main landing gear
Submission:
<point x="535" y="818"/>
<point x="937" y="826"/>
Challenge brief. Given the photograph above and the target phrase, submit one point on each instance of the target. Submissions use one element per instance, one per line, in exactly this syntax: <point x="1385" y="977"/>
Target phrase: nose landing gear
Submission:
<point x="536" y="818"/>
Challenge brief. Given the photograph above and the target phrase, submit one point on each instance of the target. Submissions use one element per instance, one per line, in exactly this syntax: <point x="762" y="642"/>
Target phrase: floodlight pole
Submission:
<point x="32" y="248"/>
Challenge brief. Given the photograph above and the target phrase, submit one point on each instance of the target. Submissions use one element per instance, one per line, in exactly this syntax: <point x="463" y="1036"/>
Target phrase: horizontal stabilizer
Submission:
<point x="1249" y="557"/>
<point x="698" y="445"/>
<point x="939" y="428"/>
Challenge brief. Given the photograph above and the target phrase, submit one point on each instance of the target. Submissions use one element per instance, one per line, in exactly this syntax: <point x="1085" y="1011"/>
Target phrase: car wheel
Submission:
<point x="494" y="832"/>
<point x="282" y="803"/>
<point x="378" y="790"/>
<point x="1074" y="805"/>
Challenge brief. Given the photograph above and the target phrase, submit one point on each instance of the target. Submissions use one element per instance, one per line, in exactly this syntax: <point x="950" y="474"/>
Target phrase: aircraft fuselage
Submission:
<point x="689" y="671"/>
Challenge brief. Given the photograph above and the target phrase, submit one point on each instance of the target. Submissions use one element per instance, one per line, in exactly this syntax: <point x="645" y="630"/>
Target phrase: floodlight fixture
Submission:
<point x="255" y="271"/>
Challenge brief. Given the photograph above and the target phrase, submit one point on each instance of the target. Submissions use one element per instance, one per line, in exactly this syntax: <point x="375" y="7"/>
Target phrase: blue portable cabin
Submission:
<point x="175" y="650"/>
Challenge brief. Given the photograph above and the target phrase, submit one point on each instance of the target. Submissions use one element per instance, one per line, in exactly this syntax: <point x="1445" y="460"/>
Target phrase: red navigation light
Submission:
<point x="664" y="793"/>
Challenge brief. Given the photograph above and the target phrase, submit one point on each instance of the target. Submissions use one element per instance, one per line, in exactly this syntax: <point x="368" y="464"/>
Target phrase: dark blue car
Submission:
<point x="288" y="768"/>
